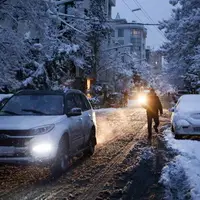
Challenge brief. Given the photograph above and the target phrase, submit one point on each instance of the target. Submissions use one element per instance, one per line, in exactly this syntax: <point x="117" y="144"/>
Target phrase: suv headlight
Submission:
<point x="43" y="148"/>
<point x="42" y="129"/>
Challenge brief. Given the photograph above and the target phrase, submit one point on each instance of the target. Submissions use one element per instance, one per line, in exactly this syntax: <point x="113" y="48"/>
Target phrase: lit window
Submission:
<point x="136" y="32"/>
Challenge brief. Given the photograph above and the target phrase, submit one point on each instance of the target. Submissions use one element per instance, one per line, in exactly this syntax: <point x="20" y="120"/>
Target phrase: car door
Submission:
<point x="74" y="124"/>
<point x="87" y="117"/>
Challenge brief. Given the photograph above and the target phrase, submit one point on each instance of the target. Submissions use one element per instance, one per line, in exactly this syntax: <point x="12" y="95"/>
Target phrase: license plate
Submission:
<point x="7" y="151"/>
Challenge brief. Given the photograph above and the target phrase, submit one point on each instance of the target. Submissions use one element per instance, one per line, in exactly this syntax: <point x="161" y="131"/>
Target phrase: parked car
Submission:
<point x="4" y="98"/>
<point x="46" y="127"/>
<point x="186" y="116"/>
<point x="116" y="100"/>
<point x="179" y="94"/>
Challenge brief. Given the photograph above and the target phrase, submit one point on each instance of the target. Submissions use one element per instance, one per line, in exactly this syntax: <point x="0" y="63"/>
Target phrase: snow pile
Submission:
<point x="147" y="153"/>
<point x="175" y="180"/>
<point x="184" y="169"/>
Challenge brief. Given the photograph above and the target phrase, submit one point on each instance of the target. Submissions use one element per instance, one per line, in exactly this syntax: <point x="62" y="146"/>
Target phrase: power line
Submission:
<point x="148" y="17"/>
<point x="96" y="20"/>
<point x="131" y="10"/>
<point x="137" y="16"/>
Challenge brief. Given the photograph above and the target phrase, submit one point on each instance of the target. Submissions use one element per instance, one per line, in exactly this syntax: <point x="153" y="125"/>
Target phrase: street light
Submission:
<point x="137" y="9"/>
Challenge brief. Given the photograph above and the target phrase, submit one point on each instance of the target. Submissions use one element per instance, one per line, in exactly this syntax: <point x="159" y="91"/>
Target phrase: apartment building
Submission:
<point x="130" y="33"/>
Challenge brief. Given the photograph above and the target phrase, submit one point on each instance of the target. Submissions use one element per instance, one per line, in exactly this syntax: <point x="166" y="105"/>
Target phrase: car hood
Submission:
<point x="26" y="122"/>
<point x="193" y="117"/>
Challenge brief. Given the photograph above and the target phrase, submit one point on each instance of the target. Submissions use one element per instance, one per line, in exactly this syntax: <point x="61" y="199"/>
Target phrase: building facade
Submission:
<point x="130" y="33"/>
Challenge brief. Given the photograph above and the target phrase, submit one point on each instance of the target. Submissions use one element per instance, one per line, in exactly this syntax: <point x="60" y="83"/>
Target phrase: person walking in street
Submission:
<point x="105" y="93"/>
<point x="125" y="93"/>
<point x="153" y="107"/>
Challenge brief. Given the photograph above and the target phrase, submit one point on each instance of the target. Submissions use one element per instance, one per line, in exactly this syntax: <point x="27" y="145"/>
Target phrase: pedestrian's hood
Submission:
<point x="27" y="122"/>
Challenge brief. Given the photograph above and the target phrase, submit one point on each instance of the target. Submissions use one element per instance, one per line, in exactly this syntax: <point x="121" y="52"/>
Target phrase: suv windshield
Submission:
<point x="34" y="105"/>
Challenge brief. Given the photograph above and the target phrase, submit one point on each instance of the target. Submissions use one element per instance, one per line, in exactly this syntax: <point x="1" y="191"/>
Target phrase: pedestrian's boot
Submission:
<point x="155" y="128"/>
<point x="149" y="142"/>
<point x="149" y="136"/>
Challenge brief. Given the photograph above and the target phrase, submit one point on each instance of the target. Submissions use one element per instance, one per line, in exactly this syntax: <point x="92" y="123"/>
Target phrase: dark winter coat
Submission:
<point x="153" y="105"/>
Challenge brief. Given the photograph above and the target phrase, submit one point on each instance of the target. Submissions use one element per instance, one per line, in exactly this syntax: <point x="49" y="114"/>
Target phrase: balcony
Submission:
<point x="112" y="2"/>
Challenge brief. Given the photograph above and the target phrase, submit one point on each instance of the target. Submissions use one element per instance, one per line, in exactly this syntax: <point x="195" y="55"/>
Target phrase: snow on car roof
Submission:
<point x="190" y="97"/>
<point x="189" y="102"/>
<point x="3" y="96"/>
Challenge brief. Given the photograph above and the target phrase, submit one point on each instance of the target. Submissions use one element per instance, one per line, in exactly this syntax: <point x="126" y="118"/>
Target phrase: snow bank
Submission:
<point x="185" y="164"/>
<point x="147" y="153"/>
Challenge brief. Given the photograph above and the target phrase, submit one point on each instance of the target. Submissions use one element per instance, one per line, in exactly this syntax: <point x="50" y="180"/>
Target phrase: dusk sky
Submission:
<point x="156" y="9"/>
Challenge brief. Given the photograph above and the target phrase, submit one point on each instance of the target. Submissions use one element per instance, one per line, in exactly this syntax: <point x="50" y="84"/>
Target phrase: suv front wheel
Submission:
<point x="62" y="160"/>
<point x="91" y="144"/>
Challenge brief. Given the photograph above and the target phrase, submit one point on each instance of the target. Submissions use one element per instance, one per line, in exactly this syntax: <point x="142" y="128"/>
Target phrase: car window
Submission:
<point x="80" y="103"/>
<point x="70" y="102"/>
<point x="86" y="102"/>
<point x="35" y="104"/>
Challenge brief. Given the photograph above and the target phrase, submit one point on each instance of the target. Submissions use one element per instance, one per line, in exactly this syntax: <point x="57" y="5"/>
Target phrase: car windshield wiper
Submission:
<point x="34" y="111"/>
<point x="9" y="112"/>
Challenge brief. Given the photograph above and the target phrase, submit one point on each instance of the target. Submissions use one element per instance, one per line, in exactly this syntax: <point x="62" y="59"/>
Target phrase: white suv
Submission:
<point x="46" y="127"/>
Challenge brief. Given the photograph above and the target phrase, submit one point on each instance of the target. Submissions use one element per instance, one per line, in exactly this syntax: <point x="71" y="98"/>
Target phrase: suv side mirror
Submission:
<point x="74" y="112"/>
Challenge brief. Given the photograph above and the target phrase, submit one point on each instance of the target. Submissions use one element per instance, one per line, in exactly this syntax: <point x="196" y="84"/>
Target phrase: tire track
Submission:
<point x="108" y="172"/>
<point x="97" y="183"/>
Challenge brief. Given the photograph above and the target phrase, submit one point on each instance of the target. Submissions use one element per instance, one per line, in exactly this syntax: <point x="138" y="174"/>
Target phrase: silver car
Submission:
<point x="46" y="127"/>
<point x="186" y="116"/>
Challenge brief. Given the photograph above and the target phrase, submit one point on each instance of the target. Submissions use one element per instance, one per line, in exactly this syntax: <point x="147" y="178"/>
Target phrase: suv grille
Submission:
<point x="16" y="142"/>
<point x="16" y="132"/>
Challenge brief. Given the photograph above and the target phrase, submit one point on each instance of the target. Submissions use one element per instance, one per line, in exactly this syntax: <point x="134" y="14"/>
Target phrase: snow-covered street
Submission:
<point x="119" y="168"/>
<point x="181" y="176"/>
<point x="97" y="101"/>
